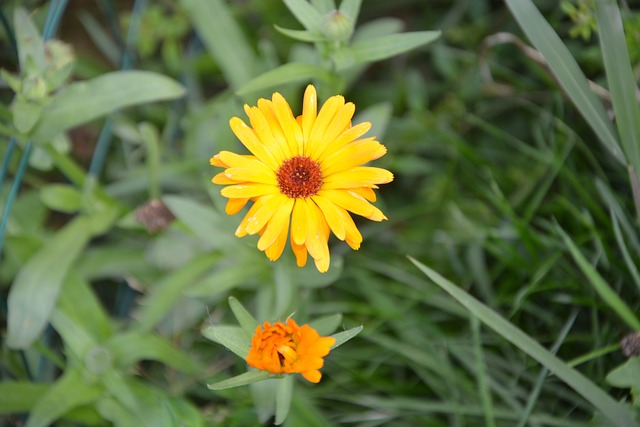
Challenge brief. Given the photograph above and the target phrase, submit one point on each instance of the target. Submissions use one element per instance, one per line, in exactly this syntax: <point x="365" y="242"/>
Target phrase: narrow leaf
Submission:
<point x="30" y="44"/>
<point x="302" y="35"/>
<point x="242" y="379"/>
<point x="617" y="413"/>
<point x="160" y="300"/>
<point x="305" y="13"/>
<point x="70" y="391"/>
<point x="35" y="289"/>
<point x="20" y="396"/>
<point x="284" y="392"/>
<point x="284" y="74"/>
<point x="351" y="8"/>
<point x="245" y="319"/>
<point x="622" y="82"/>
<point x="233" y="338"/>
<point x="608" y="295"/>
<point x="131" y="347"/>
<point x="61" y="197"/>
<point x="343" y="337"/>
<point x="81" y="102"/>
<point x="379" y="48"/>
<point x="567" y="72"/>
<point x="223" y="38"/>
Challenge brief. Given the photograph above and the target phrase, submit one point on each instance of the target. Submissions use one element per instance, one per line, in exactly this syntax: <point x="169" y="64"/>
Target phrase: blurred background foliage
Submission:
<point x="499" y="179"/>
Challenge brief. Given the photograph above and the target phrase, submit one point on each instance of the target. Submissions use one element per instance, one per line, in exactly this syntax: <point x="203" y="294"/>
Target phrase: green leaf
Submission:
<point x="245" y="319"/>
<point x="306" y="14"/>
<point x="284" y="392"/>
<point x="379" y="48"/>
<point x="327" y="324"/>
<point x="344" y="336"/>
<point x="61" y="197"/>
<point x="35" y="289"/>
<point x="567" y="72"/>
<point x="223" y="38"/>
<point x="626" y="375"/>
<point x="130" y="347"/>
<point x="622" y="82"/>
<point x="324" y="6"/>
<point x="81" y="102"/>
<point x="20" y="396"/>
<point x="617" y="413"/>
<point x="240" y="380"/>
<point x="302" y="35"/>
<point x="25" y="114"/>
<point x="284" y="74"/>
<point x="204" y="222"/>
<point x="233" y="338"/>
<point x="163" y="296"/>
<point x="351" y="8"/>
<point x="608" y="295"/>
<point x="225" y="277"/>
<point x="30" y="44"/>
<point x="68" y="392"/>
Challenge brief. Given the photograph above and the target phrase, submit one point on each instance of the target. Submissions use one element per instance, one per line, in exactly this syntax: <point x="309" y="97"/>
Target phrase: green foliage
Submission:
<point x="513" y="138"/>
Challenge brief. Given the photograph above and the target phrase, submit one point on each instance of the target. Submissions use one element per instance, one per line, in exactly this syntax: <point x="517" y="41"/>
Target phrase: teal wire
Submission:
<point x="5" y="162"/>
<point x="24" y="161"/>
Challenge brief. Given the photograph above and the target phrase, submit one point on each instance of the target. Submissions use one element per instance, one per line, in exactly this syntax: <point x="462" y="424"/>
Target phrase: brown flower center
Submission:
<point x="299" y="177"/>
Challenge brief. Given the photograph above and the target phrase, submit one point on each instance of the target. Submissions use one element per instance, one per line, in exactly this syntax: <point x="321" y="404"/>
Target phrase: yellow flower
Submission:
<point x="288" y="348"/>
<point x="303" y="172"/>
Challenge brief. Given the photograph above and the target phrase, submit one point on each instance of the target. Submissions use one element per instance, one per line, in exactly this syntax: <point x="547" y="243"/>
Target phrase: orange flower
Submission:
<point x="288" y="349"/>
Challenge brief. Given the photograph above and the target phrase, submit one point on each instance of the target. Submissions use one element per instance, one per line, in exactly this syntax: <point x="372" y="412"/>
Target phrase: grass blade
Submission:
<point x="567" y="72"/>
<point x="618" y="414"/>
<point x="620" y="77"/>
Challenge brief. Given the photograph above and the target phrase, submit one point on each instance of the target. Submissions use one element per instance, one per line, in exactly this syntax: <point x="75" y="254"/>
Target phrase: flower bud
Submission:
<point x="337" y="26"/>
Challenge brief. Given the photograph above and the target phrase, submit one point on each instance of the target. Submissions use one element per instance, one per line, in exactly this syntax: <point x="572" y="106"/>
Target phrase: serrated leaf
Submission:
<point x="244" y="318"/>
<point x="61" y="197"/>
<point x="240" y="380"/>
<point x="284" y="74"/>
<point x="306" y="14"/>
<point x="343" y="337"/>
<point x="81" y="102"/>
<point x="233" y="338"/>
<point x="68" y="392"/>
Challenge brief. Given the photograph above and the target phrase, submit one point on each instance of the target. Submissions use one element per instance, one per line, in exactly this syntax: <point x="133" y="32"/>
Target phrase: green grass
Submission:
<point x="496" y="293"/>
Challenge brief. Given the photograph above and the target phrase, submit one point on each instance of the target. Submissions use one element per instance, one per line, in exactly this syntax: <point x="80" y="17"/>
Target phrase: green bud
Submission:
<point x="60" y="60"/>
<point x="34" y="88"/>
<point x="337" y="26"/>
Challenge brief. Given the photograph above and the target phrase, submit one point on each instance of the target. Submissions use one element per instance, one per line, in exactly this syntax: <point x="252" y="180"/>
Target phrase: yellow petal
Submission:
<point x="354" y="154"/>
<point x="233" y="160"/>
<point x="316" y="237"/>
<point x="267" y="208"/>
<point x="326" y="115"/>
<point x="250" y="217"/>
<point x="300" y="251"/>
<point x="234" y="206"/>
<point x="262" y="175"/>
<point x="279" y="147"/>
<point x="277" y="223"/>
<point x="222" y="179"/>
<point x="344" y="138"/>
<point x="270" y="135"/>
<point x="215" y="161"/>
<point x="331" y="214"/>
<point x="357" y="177"/>
<point x="255" y="145"/>
<point x="366" y="192"/>
<point x="299" y="223"/>
<point x="338" y="124"/>
<point x="349" y="200"/>
<point x="248" y="190"/>
<point x="274" y="251"/>
<point x="309" y="111"/>
<point x="353" y="236"/>
<point x="322" y="265"/>
<point x="292" y="130"/>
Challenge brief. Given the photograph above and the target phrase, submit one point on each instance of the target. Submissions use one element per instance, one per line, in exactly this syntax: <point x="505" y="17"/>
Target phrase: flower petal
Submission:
<point x="354" y="154"/>
<point x="357" y="177"/>
<point x="332" y="215"/>
<point x="255" y="145"/>
<point x="299" y="223"/>
<point x="309" y="111"/>
<point x="338" y="125"/>
<point x="276" y="225"/>
<point x="344" y="138"/>
<point x="292" y="130"/>
<point x="316" y="237"/>
<point x="263" y="175"/>
<point x="326" y="115"/>
<point x="234" y="206"/>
